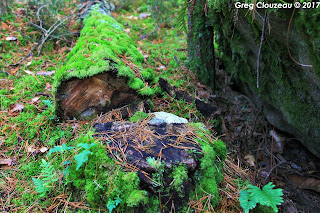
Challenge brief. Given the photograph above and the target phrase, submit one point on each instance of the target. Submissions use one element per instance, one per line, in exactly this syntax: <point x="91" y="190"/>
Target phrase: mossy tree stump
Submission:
<point x="289" y="66"/>
<point x="200" y="43"/>
<point x="103" y="71"/>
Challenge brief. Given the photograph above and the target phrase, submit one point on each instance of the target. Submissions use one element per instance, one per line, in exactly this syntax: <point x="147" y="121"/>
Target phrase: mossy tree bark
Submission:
<point x="200" y="43"/>
<point x="289" y="92"/>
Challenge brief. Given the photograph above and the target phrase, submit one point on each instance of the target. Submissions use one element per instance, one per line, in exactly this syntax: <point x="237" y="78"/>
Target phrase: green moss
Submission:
<point x="101" y="180"/>
<point x="138" y="116"/>
<point x="210" y="174"/>
<point x="136" y="84"/>
<point x="148" y="74"/>
<point x="147" y="91"/>
<point x="179" y="175"/>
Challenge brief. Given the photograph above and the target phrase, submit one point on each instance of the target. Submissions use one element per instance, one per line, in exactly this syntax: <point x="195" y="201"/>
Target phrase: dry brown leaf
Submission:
<point x="17" y="107"/>
<point x="132" y="17"/>
<point x="34" y="100"/>
<point x="250" y="159"/>
<point x="4" y="25"/>
<point x="6" y="162"/>
<point x="31" y="149"/>
<point x="128" y="30"/>
<point x="48" y="86"/>
<point x="46" y="73"/>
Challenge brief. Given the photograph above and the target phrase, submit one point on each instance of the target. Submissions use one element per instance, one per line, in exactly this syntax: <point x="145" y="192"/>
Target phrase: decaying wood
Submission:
<point x="131" y="144"/>
<point x="83" y="98"/>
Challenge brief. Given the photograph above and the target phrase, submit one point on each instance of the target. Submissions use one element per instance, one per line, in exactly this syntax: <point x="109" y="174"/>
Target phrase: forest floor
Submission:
<point x="28" y="129"/>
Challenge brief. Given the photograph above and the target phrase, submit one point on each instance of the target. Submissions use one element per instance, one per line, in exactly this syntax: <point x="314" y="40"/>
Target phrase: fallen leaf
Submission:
<point x="29" y="63"/>
<point x="48" y="86"/>
<point x="250" y="159"/>
<point x="46" y="73"/>
<point x="146" y="56"/>
<point x="4" y="25"/>
<point x="64" y="50"/>
<point x="132" y="17"/>
<point x="28" y="72"/>
<point x="128" y="30"/>
<point x="6" y="162"/>
<point x="43" y="149"/>
<point x="17" y="107"/>
<point x="11" y="38"/>
<point x="144" y="15"/>
<point x="34" y="100"/>
<point x="161" y="67"/>
<point x="32" y="149"/>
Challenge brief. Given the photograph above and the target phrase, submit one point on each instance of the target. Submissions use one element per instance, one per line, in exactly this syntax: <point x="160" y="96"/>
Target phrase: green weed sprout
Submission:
<point x="267" y="196"/>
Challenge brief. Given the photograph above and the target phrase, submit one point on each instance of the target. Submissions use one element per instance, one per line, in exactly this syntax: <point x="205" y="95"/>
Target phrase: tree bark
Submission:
<point x="200" y="43"/>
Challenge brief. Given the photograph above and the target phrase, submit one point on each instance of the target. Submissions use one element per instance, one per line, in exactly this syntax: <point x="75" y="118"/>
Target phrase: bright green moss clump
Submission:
<point x="100" y="48"/>
<point x="102" y="182"/>
<point x="211" y="167"/>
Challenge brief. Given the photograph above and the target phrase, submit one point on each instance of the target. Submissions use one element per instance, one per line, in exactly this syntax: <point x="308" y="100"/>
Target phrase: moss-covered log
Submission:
<point x="103" y="71"/>
<point x="289" y="92"/>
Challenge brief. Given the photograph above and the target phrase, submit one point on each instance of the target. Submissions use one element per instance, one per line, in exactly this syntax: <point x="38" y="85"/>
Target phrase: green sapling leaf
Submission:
<point x="81" y="158"/>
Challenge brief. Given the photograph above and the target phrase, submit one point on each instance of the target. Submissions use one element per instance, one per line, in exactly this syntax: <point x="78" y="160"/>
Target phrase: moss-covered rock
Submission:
<point x="103" y="71"/>
<point x="289" y="93"/>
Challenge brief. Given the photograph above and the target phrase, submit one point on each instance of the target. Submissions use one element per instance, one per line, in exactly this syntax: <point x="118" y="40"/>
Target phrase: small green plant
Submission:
<point x="47" y="180"/>
<point x="267" y="196"/>
<point x="82" y="157"/>
<point x="179" y="174"/>
<point x="153" y="162"/>
<point x="113" y="203"/>
<point x="62" y="148"/>
<point x="138" y="116"/>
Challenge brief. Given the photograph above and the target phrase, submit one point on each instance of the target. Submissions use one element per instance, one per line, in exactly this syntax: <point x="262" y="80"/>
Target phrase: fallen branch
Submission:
<point x="261" y="43"/>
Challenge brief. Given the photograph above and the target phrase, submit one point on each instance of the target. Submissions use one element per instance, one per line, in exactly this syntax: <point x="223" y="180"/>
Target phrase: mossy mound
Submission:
<point x="177" y="162"/>
<point x="103" y="47"/>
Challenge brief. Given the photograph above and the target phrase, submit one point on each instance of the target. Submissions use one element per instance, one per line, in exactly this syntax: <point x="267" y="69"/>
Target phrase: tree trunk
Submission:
<point x="200" y="43"/>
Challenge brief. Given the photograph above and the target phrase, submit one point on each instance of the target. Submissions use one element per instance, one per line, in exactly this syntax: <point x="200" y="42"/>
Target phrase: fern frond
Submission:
<point x="48" y="173"/>
<point x="180" y="20"/>
<point x="40" y="187"/>
<point x="267" y="196"/>
<point x="245" y="202"/>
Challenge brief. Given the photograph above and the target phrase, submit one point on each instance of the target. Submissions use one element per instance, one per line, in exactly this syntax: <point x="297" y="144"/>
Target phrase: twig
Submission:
<point x="52" y="29"/>
<point x="38" y="15"/>
<point x="259" y="54"/>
